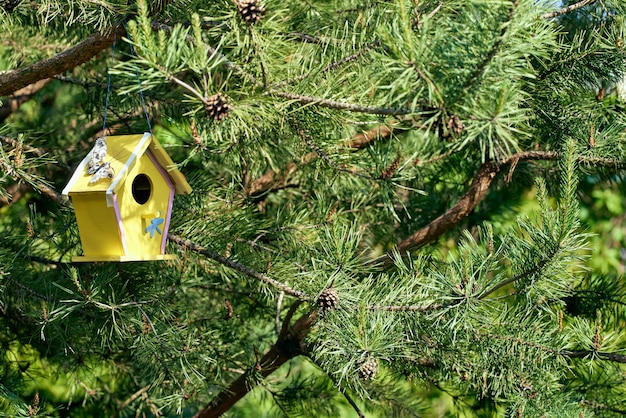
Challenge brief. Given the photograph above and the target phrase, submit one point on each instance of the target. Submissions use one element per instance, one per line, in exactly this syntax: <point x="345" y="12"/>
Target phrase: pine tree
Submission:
<point x="393" y="208"/>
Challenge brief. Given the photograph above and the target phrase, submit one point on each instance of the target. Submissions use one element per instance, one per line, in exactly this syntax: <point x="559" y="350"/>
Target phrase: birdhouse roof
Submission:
<point x="123" y="151"/>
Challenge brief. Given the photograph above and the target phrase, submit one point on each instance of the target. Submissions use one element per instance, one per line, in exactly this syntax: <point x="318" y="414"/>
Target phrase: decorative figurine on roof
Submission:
<point x="96" y="164"/>
<point x="125" y="216"/>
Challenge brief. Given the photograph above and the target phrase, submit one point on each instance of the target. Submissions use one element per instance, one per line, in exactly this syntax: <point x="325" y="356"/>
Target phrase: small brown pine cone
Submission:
<point x="229" y="309"/>
<point x="250" y="11"/>
<point x="391" y="170"/>
<point x="328" y="299"/>
<point x="368" y="368"/>
<point x="9" y="5"/>
<point x="217" y="106"/>
<point x="455" y="125"/>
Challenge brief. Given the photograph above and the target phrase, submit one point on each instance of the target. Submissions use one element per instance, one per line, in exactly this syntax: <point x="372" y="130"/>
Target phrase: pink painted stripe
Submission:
<point x="171" y="199"/>
<point x="167" y="220"/>
<point x="120" y="225"/>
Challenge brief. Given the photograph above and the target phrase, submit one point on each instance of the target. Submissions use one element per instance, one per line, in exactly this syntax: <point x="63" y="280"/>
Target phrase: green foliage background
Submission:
<point x="518" y="310"/>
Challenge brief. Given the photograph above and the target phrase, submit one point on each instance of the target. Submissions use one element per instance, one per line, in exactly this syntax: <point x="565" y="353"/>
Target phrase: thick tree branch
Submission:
<point x="366" y="138"/>
<point x="287" y="346"/>
<point x="272" y="179"/>
<point x="476" y="193"/>
<point x="82" y="52"/>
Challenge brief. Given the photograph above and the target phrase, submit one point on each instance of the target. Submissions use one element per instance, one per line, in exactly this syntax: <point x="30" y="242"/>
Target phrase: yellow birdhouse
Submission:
<point x="123" y="196"/>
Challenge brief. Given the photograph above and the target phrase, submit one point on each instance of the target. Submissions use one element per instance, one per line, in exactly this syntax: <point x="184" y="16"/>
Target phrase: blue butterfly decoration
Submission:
<point x="154" y="226"/>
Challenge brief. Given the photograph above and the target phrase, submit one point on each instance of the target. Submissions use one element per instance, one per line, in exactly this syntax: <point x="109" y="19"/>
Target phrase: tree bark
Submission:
<point x="14" y="80"/>
<point x="82" y="52"/>
<point x="476" y="193"/>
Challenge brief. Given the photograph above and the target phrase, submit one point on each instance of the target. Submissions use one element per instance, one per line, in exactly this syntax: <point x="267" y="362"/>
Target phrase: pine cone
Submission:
<point x="391" y="170"/>
<point x="217" y="106"/>
<point x="328" y="299"/>
<point x="368" y="368"/>
<point x="250" y="11"/>
<point x="455" y="125"/>
<point x="9" y="5"/>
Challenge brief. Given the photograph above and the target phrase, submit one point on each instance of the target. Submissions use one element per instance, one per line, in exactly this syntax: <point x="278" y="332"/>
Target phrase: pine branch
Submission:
<point x="341" y="389"/>
<point x="480" y="70"/>
<point x="287" y="347"/>
<point x="34" y="293"/>
<point x="619" y="358"/>
<point x="133" y="397"/>
<point x="339" y="105"/>
<point x="156" y="25"/>
<point x="184" y="85"/>
<point x="350" y="401"/>
<point x="603" y="407"/>
<point x="411" y="308"/>
<point x="331" y="66"/>
<point x="24" y="288"/>
<point x="567" y="9"/>
<point x="185" y="243"/>
<point x="273" y="180"/>
<point x="35" y="182"/>
<point x="330" y="162"/>
<point x="255" y="244"/>
<point x="45" y="261"/>
<point x="304" y="37"/>
<point x="15" y="143"/>
<point x="535" y="269"/>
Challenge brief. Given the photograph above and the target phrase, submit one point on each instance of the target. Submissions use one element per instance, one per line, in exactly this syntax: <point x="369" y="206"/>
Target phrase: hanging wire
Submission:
<point x="106" y="103"/>
<point x="143" y="100"/>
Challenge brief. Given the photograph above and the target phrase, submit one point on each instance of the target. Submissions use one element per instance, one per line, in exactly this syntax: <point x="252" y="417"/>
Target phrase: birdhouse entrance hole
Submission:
<point x="142" y="188"/>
